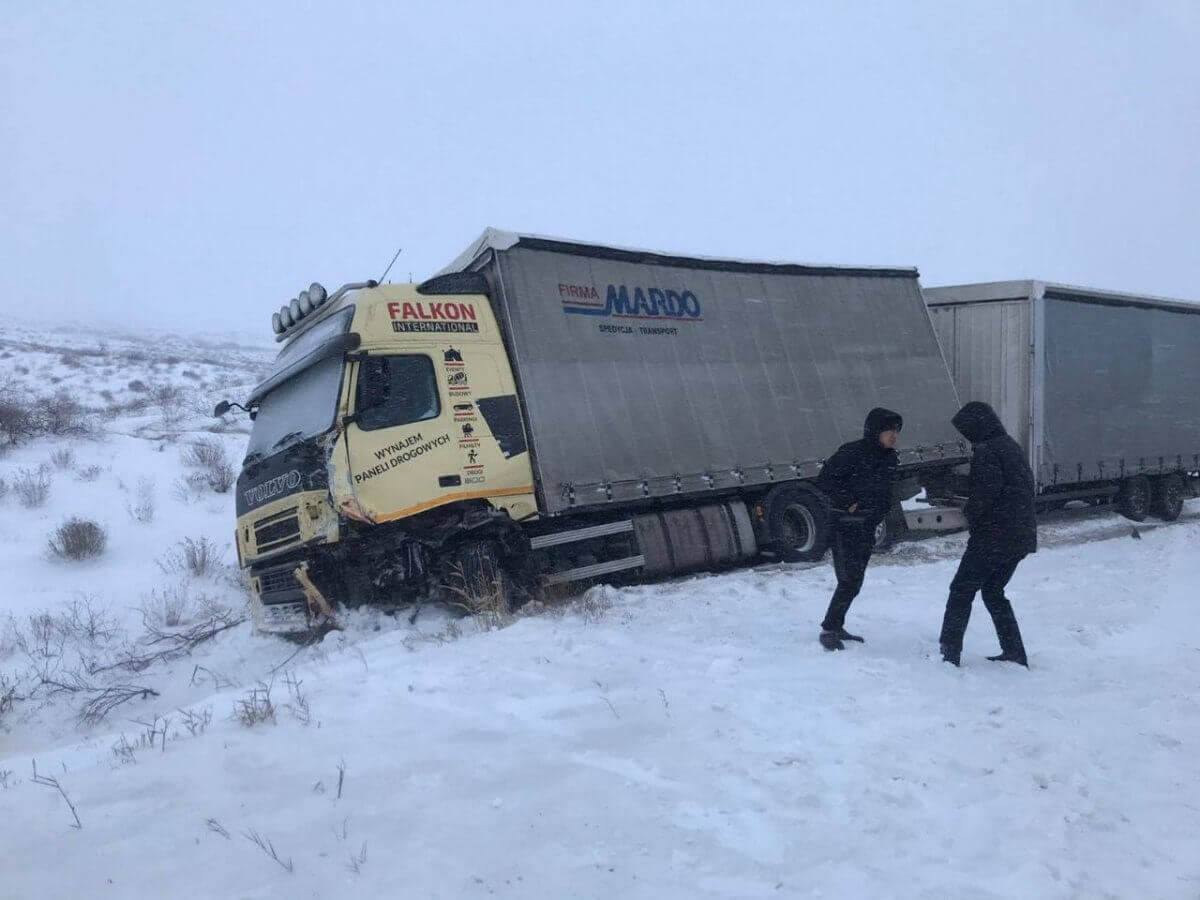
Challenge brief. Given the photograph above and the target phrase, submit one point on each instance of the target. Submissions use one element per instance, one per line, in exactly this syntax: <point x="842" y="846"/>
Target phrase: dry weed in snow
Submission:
<point x="143" y="506"/>
<point x="32" y="487"/>
<point x="198" y="557"/>
<point x="255" y="707"/>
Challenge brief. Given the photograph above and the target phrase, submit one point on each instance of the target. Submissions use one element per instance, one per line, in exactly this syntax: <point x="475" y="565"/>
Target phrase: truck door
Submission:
<point x="401" y="453"/>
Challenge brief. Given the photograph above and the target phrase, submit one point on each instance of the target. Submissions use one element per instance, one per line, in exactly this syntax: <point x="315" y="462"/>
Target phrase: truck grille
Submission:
<point x="277" y="580"/>
<point x="277" y="531"/>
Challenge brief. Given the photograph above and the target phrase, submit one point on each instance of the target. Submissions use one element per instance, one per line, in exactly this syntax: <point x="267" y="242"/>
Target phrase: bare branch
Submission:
<point x="47" y="781"/>
<point x="265" y="845"/>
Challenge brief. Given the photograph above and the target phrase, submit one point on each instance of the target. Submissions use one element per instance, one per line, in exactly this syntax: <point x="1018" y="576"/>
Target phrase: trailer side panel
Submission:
<point x="655" y="378"/>
<point x="1119" y="388"/>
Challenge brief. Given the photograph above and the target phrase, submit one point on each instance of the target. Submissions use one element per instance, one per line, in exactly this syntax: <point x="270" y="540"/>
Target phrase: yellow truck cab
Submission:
<point x="385" y="405"/>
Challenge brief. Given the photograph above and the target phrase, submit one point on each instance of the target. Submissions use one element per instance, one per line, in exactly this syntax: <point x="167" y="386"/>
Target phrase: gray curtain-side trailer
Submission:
<point x="1101" y="389"/>
<point x="649" y="380"/>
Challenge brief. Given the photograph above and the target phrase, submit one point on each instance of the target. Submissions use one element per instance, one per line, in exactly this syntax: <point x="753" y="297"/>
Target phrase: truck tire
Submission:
<point x="797" y="524"/>
<point x="1167" y="502"/>
<point x="477" y="581"/>
<point x="1133" y="500"/>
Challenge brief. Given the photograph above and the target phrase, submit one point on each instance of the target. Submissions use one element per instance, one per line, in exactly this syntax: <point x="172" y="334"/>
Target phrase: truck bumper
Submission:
<point x="935" y="518"/>
<point x="278" y="604"/>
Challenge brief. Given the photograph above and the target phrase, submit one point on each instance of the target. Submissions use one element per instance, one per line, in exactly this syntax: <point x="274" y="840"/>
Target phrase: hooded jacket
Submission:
<point x="1000" y="507"/>
<point x="863" y="472"/>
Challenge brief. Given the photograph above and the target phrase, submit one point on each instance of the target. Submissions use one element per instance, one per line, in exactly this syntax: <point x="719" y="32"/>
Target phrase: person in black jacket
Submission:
<point x="1003" y="532"/>
<point x="858" y="481"/>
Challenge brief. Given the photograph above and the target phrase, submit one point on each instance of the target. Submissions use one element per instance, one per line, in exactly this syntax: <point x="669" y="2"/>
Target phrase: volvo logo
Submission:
<point x="280" y="484"/>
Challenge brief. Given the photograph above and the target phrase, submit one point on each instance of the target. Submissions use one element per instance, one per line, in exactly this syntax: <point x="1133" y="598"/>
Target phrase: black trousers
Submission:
<point x="852" y="548"/>
<point x="988" y="572"/>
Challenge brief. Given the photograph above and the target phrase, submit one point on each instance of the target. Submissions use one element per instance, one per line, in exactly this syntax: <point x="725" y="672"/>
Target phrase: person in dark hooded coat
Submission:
<point x="1000" y="514"/>
<point x="858" y="481"/>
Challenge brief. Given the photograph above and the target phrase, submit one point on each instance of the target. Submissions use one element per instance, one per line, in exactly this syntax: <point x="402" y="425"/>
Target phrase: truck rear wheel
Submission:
<point x="478" y="582"/>
<point x="797" y="525"/>
<point x="1168" y="497"/>
<point x="1133" y="501"/>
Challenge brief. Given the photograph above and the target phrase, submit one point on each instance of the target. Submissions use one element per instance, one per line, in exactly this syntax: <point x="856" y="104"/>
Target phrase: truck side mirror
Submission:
<point x="221" y="408"/>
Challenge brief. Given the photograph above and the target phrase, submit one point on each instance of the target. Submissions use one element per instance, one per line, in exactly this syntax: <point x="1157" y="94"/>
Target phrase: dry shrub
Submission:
<point x="18" y="418"/>
<point x="208" y="456"/>
<point x="63" y="458"/>
<point x="63" y="415"/>
<point x="169" y="607"/>
<point x="203" y="453"/>
<point x="169" y="400"/>
<point x="256" y="707"/>
<point x="32" y="487"/>
<point x="183" y="490"/>
<point x="77" y="539"/>
<point x="198" y="557"/>
<point x="88" y="473"/>
<point x="3" y="488"/>
<point x="221" y="478"/>
<point x="142" y="507"/>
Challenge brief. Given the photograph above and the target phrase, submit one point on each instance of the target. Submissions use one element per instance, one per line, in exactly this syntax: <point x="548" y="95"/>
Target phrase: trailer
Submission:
<point x="546" y="411"/>
<point x="1098" y="387"/>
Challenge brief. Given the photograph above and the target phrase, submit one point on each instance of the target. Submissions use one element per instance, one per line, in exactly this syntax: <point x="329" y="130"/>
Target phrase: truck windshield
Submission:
<point x="300" y="408"/>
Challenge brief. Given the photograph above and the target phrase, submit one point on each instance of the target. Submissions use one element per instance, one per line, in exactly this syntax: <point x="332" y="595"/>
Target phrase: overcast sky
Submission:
<point x="198" y="163"/>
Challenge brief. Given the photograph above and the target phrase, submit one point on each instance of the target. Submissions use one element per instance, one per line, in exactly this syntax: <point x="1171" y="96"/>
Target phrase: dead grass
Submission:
<point x="143" y="506"/>
<point x="255" y="708"/>
<point x="32" y="487"/>
<point x="198" y="557"/>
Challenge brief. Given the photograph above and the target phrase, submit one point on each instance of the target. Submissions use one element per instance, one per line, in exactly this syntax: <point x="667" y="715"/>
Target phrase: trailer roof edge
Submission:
<point x="499" y="240"/>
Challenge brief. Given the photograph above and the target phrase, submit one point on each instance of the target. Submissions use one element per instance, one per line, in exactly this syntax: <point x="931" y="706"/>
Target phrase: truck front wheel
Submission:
<point x="1133" y="501"/>
<point x="797" y="525"/>
<point x="1168" y="497"/>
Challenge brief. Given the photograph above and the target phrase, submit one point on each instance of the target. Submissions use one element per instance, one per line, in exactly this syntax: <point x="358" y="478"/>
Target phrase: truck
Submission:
<point x="1098" y="387"/>
<point x="545" y="411"/>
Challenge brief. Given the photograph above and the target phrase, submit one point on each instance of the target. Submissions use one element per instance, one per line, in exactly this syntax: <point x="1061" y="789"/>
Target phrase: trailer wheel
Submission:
<point x="797" y="525"/>
<point x="1133" y="501"/>
<point x="1168" y="497"/>
<point x="477" y="581"/>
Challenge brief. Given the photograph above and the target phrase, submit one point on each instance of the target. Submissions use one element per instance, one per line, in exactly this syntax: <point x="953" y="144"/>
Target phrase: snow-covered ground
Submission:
<point x="689" y="739"/>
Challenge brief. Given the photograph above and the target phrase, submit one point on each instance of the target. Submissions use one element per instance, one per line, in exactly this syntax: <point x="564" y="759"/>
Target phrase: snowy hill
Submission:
<point x="688" y="739"/>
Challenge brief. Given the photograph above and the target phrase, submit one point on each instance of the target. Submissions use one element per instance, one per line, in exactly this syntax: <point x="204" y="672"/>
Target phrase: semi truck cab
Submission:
<point x="386" y="404"/>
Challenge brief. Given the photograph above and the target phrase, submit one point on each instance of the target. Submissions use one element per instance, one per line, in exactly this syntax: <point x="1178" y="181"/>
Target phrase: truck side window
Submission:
<point x="395" y="390"/>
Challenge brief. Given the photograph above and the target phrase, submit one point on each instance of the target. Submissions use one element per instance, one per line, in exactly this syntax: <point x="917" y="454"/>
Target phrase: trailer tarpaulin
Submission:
<point x="647" y="375"/>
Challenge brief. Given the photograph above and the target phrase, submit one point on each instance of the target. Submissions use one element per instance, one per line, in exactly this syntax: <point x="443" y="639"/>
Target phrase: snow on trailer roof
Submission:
<point x="499" y="239"/>
<point x="1030" y="288"/>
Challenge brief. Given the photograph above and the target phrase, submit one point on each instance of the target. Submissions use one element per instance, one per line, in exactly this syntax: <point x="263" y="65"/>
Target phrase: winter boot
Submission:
<point x="831" y="641"/>
<point x="950" y="655"/>
<point x="1007" y="657"/>
<point x="847" y="636"/>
